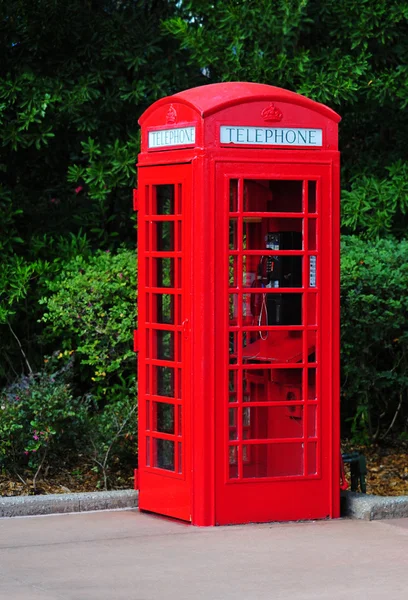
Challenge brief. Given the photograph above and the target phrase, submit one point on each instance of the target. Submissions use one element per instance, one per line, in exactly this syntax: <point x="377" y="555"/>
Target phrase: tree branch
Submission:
<point x="21" y="350"/>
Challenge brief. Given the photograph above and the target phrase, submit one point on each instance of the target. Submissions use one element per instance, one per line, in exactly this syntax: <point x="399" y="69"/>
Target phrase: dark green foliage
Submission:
<point x="41" y="420"/>
<point x="374" y="336"/>
<point x="350" y="55"/>
<point x="376" y="207"/>
<point x="74" y="78"/>
<point x="90" y="309"/>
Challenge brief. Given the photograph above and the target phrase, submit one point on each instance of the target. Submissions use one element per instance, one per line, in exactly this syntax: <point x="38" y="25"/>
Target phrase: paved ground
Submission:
<point x="133" y="556"/>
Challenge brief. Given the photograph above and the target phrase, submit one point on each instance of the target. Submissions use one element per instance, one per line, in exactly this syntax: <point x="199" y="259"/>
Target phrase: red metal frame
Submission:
<point x="238" y="466"/>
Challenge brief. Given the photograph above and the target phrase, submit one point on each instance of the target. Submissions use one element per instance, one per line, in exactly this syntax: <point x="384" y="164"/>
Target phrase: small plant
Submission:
<point x="40" y="419"/>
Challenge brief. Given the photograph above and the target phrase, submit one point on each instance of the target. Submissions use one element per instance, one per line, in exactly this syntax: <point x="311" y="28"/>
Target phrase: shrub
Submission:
<point x="374" y="336"/>
<point x="90" y="310"/>
<point x="40" y="419"/>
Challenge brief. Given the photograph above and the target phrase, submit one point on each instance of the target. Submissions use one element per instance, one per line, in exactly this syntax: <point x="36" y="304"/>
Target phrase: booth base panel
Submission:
<point x="164" y="496"/>
<point x="282" y="501"/>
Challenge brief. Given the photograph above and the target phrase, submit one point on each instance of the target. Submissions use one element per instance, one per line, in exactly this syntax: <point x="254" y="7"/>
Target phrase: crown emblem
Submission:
<point x="271" y="113"/>
<point x="171" y="116"/>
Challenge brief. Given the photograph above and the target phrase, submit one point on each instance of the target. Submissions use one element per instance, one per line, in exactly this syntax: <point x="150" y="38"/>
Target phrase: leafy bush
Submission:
<point x="375" y="206"/>
<point x="374" y="336"/>
<point x="40" y="419"/>
<point x="90" y="311"/>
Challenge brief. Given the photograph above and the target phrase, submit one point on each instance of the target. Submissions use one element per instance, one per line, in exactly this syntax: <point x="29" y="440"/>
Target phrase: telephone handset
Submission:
<point x="278" y="272"/>
<point x="267" y="276"/>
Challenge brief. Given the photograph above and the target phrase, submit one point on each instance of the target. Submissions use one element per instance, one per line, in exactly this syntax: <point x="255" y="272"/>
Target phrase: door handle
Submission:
<point x="186" y="329"/>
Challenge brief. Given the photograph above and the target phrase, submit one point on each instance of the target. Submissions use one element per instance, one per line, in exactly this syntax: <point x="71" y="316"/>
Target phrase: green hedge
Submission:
<point x="374" y="337"/>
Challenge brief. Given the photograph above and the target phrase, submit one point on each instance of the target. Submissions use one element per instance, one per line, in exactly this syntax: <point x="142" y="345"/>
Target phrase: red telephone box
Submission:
<point x="238" y="241"/>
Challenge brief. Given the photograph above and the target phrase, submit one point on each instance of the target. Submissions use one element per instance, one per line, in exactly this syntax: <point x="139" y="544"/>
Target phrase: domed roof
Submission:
<point x="209" y="99"/>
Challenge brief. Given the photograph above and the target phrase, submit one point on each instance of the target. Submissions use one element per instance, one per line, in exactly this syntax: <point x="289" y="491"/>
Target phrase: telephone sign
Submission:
<point x="238" y="306"/>
<point x="272" y="136"/>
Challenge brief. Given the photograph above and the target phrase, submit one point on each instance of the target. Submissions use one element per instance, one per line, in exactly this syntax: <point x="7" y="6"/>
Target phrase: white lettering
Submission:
<point x="270" y="136"/>
<point x="180" y="136"/>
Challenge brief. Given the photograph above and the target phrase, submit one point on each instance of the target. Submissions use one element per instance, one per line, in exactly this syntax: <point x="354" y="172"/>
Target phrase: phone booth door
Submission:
<point x="273" y="406"/>
<point x="163" y="311"/>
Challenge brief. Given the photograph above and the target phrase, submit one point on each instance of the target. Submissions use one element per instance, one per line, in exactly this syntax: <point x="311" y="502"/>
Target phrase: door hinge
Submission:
<point x="135" y="340"/>
<point x="135" y="199"/>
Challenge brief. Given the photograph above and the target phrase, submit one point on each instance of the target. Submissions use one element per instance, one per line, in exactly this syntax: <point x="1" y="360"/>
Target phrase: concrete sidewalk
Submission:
<point x="133" y="556"/>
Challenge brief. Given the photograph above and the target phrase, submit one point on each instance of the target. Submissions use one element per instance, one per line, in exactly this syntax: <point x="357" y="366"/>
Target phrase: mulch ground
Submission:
<point x="387" y="476"/>
<point x="387" y="470"/>
<point x="63" y="481"/>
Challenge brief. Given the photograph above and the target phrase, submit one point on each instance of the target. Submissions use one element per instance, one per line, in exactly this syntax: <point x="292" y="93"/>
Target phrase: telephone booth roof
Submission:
<point x="202" y="110"/>
<point x="212" y="98"/>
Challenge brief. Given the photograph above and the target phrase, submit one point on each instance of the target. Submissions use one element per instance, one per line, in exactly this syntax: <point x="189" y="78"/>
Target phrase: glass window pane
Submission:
<point x="163" y="305"/>
<point x="312" y="458"/>
<point x="272" y="309"/>
<point x="233" y="308"/>
<point x="311" y="384"/>
<point x="179" y="274"/>
<point x="147" y="414"/>
<point x="180" y="199"/>
<point x="266" y="233"/>
<point x="163" y="378"/>
<point x="164" y="414"/>
<point x="311" y="238"/>
<point x="147" y="452"/>
<point x="233" y="462"/>
<point x="311" y="346"/>
<point x="272" y="385"/>
<point x="233" y="195"/>
<point x="272" y="346"/>
<point x="273" y="460"/>
<point x="273" y="196"/>
<point x="233" y="389"/>
<point x="164" y="234"/>
<point x="272" y="271"/>
<point x="233" y="234"/>
<point x="179" y="384"/>
<point x="233" y="347"/>
<point x="311" y="420"/>
<point x="232" y="424"/>
<point x="272" y="422"/>
<point x="147" y="236"/>
<point x="163" y="272"/>
<point x="180" y="420"/>
<point x="233" y="271"/>
<point x="164" y="344"/>
<point x="164" y="200"/>
<point x="257" y="195"/>
<point x="312" y="196"/>
<point x="164" y="454"/>
<point x="179" y="458"/>
<point x="179" y="236"/>
<point x="147" y="379"/>
<point x="311" y="309"/>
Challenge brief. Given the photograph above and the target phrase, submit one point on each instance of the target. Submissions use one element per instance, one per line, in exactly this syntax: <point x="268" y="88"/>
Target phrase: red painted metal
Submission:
<point x="238" y="305"/>
<point x="135" y="200"/>
<point x="135" y="479"/>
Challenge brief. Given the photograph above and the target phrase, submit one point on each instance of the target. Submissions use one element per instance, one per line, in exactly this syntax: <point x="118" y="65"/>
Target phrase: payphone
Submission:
<point x="238" y="304"/>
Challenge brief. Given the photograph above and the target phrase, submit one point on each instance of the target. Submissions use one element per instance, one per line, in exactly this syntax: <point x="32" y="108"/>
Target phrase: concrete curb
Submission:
<point x="355" y="506"/>
<point x="370" y="508"/>
<point x="24" y="506"/>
